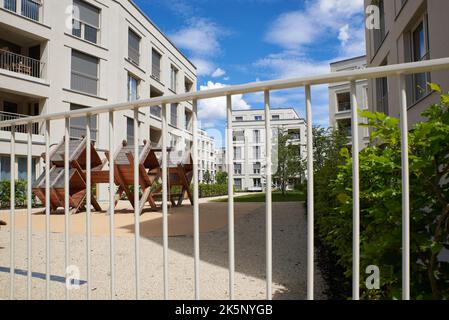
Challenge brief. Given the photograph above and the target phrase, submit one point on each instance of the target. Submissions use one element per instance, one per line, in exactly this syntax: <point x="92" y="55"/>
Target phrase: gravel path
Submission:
<point x="289" y="262"/>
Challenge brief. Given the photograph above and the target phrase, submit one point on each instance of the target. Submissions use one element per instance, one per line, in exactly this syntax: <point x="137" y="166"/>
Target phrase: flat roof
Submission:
<point x="271" y="110"/>
<point x="349" y="59"/>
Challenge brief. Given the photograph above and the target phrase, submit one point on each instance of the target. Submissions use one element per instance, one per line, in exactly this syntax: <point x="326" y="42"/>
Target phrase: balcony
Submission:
<point x="20" y="64"/>
<point x="23" y="128"/>
<point x="30" y="9"/>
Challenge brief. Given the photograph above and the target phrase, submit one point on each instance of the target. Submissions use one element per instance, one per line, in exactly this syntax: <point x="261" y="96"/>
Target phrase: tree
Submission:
<point x="221" y="177"/>
<point x="289" y="163"/>
<point x="381" y="204"/>
<point x="207" y="177"/>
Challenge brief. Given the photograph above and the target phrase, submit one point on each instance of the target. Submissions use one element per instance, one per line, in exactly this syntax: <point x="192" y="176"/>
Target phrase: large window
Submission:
<point x="187" y="118"/>
<point x="256" y="168"/>
<point x="238" y="184"/>
<point x="379" y="34"/>
<point x="30" y="9"/>
<point x="420" y="52"/>
<point x="346" y="126"/>
<point x="10" y="5"/>
<point x="84" y="76"/>
<point x="174" y="114"/>
<point x="382" y="95"/>
<point x="86" y="21"/>
<point x="237" y="168"/>
<point x="344" y="101"/>
<point x="256" y="136"/>
<point x="156" y="65"/>
<point x="22" y="166"/>
<point x="173" y="78"/>
<point x="78" y="125"/>
<point x="133" y="84"/>
<point x="5" y="168"/>
<point x="256" y="152"/>
<point x="130" y="131"/>
<point x="237" y="153"/>
<point x="133" y="47"/>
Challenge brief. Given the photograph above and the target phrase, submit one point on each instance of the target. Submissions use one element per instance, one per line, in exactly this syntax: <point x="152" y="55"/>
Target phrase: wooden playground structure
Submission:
<point x="179" y="167"/>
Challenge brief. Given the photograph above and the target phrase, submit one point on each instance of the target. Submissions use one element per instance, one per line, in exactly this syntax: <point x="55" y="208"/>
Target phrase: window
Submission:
<point x="86" y="21"/>
<point x="5" y="168"/>
<point x="239" y="136"/>
<point x="237" y="168"/>
<point x="10" y="5"/>
<point x="345" y="126"/>
<point x="188" y="118"/>
<point x="30" y="9"/>
<point x="78" y="125"/>
<point x="256" y="152"/>
<point x="294" y="134"/>
<point x="84" y="77"/>
<point x="258" y="118"/>
<point x="344" y="101"/>
<point x="130" y="131"/>
<point x="379" y="34"/>
<point x="276" y="117"/>
<point x="382" y="95"/>
<point x="238" y="118"/>
<point x="133" y="47"/>
<point x="156" y="64"/>
<point x="133" y="85"/>
<point x="256" y="136"/>
<point x="420" y="52"/>
<point x="156" y="111"/>
<point x="188" y="85"/>
<point x="237" y="153"/>
<point x="238" y="184"/>
<point x="257" y="183"/>
<point x="174" y="114"/>
<point x="174" y="142"/>
<point x="22" y="164"/>
<point x="256" y="168"/>
<point x="173" y="78"/>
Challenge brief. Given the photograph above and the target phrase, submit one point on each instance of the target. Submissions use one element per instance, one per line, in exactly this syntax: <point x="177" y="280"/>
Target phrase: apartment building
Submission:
<point x="220" y="160"/>
<point x="206" y="157"/>
<point x="249" y="143"/>
<point x="340" y="104"/>
<point x="62" y="55"/>
<point x="410" y="30"/>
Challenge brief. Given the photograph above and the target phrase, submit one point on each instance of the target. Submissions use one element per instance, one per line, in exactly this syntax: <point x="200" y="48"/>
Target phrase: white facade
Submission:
<point x="111" y="53"/>
<point x="249" y="143"/>
<point x="220" y="160"/>
<point x="206" y="156"/>
<point x="340" y="104"/>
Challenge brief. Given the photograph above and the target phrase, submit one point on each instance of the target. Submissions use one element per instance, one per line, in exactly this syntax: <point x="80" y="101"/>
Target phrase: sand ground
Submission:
<point x="289" y="253"/>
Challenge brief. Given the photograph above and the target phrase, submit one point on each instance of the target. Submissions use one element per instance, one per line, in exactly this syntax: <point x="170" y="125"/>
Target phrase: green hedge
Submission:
<point x="21" y="194"/>
<point x="213" y="190"/>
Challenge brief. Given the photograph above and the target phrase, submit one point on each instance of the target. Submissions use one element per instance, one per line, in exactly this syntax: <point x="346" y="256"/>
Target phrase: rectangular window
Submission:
<point x="344" y="101"/>
<point x="10" y="5"/>
<point x="156" y="64"/>
<point x="257" y="183"/>
<point x="130" y="131"/>
<point x="133" y="47"/>
<point x="86" y="21"/>
<point x="30" y="9"/>
<point x="174" y="114"/>
<point x="238" y="184"/>
<point x="188" y="85"/>
<point x="5" y="168"/>
<point x="258" y="118"/>
<point x="188" y="118"/>
<point x="173" y="78"/>
<point x="238" y="118"/>
<point x="84" y="73"/>
<point x="237" y="153"/>
<point x="276" y="117"/>
<point x="346" y="126"/>
<point x="382" y="95"/>
<point x="78" y="125"/>
<point x="156" y="111"/>
<point x="379" y="34"/>
<point x="256" y="136"/>
<point x="256" y="168"/>
<point x="420" y="52"/>
<point x="256" y="152"/>
<point x="133" y="85"/>
<point x="237" y="168"/>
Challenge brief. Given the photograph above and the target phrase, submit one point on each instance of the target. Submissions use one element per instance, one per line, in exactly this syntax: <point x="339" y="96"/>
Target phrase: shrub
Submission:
<point x="20" y="196"/>
<point x="212" y="190"/>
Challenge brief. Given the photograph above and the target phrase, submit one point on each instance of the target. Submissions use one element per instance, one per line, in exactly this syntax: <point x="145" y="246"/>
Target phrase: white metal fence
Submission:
<point x="307" y="82"/>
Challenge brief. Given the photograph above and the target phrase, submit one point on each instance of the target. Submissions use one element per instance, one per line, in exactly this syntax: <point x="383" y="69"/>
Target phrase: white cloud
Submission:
<point x="218" y="73"/>
<point x="213" y="110"/>
<point x="204" y="67"/>
<point x="343" y="36"/>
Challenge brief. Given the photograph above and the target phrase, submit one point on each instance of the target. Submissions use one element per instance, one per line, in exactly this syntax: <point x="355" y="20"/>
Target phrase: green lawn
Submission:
<point x="260" y="197"/>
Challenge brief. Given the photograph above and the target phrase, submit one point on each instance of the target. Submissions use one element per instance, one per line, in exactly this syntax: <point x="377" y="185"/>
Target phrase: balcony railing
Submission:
<point x="20" y="64"/>
<point x="23" y="128"/>
<point x="110" y="111"/>
<point x="29" y="8"/>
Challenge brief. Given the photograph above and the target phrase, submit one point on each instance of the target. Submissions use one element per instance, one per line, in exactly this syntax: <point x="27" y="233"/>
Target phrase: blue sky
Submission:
<point x="240" y="41"/>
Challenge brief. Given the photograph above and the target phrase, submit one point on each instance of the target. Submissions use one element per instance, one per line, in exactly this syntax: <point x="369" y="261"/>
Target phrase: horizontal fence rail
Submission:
<point x="163" y="103"/>
<point x="20" y="64"/>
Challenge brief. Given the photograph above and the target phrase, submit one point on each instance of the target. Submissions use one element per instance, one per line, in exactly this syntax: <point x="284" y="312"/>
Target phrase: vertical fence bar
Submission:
<point x="88" y="207"/>
<point x="12" y="270"/>
<point x="136" y="201"/>
<point x="269" y="205"/>
<point x="165" y="197"/>
<point x="355" y="195"/>
<point x="47" y="209"/>
<point x="29" y="210"/>
<point x="230" y="156"/>
<point x="111" y="203"/>
<point x="196" y="206"/>
<point x="405" y="193"/>
<point x="67" y="200"/>
<point x="310" y="197"/>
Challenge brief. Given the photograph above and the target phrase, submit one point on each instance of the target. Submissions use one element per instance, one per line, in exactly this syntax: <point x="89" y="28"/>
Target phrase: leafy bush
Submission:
<point x="213" y="190"/>
<point x="20" y="197"/>
<point x="381" y="205"/>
